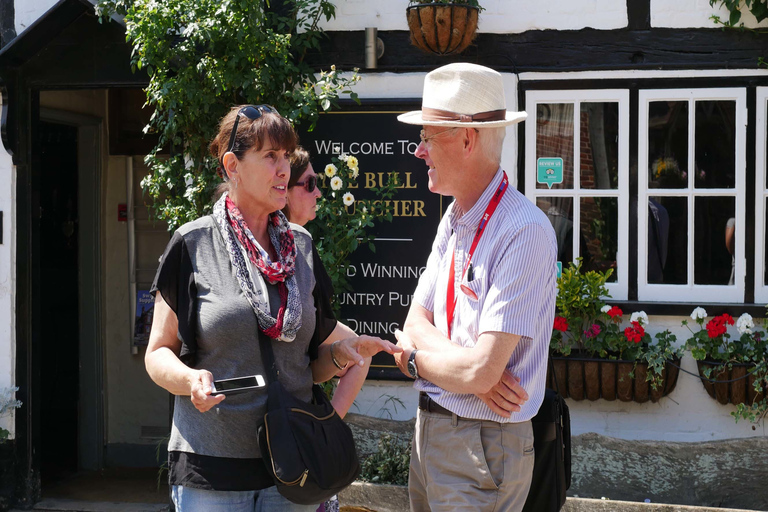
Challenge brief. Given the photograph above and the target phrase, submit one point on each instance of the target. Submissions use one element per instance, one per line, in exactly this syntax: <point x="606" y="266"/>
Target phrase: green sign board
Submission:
<point x="549" y="171"/>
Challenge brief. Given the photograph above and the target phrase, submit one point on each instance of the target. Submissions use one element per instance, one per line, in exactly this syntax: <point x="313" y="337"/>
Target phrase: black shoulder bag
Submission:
<point x="307" y="447"/>
<point x="552" y="453"/>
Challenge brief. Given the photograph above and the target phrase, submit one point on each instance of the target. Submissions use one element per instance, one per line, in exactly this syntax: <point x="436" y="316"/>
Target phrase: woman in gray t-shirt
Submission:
<point x="221" y="278"/>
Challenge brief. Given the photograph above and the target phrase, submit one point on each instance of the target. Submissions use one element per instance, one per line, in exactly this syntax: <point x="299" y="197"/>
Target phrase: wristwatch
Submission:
<point x="412" y="370"/>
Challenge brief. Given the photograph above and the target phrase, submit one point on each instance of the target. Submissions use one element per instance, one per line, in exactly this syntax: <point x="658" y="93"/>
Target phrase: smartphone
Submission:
<point x="237" y="385"/>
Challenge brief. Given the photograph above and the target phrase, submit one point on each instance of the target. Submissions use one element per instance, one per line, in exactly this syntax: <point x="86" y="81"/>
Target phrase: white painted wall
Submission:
<point x="499" y="16"/>
<point x="693" y="13"/>
<point x="7" y="279"/>
<point x="27" y="11"/>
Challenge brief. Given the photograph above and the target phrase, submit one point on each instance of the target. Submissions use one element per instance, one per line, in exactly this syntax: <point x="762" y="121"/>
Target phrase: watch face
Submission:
<point x="412" y="366"/>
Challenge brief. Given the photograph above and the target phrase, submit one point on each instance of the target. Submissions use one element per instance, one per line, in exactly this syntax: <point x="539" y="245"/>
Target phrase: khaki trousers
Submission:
<point x="469" y="465"/>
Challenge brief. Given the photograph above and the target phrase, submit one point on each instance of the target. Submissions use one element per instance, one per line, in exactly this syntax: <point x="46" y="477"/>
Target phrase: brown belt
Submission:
<point x="427" y="404"/>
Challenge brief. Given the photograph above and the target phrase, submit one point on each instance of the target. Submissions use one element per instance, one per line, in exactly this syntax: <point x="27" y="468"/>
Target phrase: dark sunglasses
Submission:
<point x="252" y="112"/>
<point x="309" y="184"/>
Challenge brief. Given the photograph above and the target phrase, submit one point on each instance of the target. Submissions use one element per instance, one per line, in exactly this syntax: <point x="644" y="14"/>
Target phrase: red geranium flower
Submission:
<point x="718" y="325"/>
<point x="561" y="324"/>
<point x="593" y="331"/>
<point x="615" y="311"/>
<point x="635" y="333"/>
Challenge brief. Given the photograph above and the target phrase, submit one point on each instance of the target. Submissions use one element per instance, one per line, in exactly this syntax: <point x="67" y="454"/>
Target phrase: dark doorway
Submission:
<point x="57" y="295"/>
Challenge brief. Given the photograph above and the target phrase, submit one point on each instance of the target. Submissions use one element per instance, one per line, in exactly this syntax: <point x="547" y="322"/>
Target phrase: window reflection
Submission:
<point x="599" y="242"/>
<point x="559" y="210"/>
<point x="554" y="138"/>
<point x="715" y="139"/>
<point x="599" y="134"/>
<point x="668" y="144"/>
<point x="668" y="240"/>
<point x="712" y="262"/>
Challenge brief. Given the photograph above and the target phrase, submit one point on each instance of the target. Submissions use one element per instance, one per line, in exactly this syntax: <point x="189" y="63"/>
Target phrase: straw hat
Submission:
<point x="463" y="94"/>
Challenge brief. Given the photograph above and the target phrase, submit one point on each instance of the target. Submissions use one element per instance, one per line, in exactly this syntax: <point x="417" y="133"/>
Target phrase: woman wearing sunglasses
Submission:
<point x="300" y="208"/>
<point x="221" y="278"/>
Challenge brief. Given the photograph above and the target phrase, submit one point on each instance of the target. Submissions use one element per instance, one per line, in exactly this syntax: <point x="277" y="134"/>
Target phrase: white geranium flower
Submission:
<point x="348" y="199"/>
<point x="745" y="324"/>
<point x="330" y="170"/>
<point x="336" y="183"/>
<point x="605" y="309"/>
<point x="699" y="314"/>
<point x="352" y="163"/>
<point x="639" y="316"/>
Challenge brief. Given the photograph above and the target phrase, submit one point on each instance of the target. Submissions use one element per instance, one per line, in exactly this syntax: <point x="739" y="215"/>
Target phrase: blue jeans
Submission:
<point x="190" y="499"/>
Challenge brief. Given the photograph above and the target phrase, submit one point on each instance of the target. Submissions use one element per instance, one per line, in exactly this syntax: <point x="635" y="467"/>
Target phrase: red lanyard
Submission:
<point x="494" y="202"/>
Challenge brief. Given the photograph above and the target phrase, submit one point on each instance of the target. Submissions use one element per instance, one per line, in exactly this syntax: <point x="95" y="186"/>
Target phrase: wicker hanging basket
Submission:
<point x="443" y="29"/>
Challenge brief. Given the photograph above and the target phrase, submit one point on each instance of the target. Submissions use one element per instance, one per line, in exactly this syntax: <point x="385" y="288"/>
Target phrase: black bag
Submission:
<point x="306" y="447"/>
<point x="552" y="449"/>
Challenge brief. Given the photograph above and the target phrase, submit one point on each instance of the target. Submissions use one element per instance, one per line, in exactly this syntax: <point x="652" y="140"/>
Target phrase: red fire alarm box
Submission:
<point x="122" y="213"/>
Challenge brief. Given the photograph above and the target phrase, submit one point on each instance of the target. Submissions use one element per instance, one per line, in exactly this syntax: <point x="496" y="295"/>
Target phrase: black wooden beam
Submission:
<point x="7" y="22"/>
<point x="639" y="14"/>
<point x="567" y="50"/>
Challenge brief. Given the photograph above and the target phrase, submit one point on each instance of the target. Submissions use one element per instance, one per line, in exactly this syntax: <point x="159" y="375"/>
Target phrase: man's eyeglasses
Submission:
<point x="425" y="139"/>
<point x="252" y="112"/>
<point x="309" y="184"/>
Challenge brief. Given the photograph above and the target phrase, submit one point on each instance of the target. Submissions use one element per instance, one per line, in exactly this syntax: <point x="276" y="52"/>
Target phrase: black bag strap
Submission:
<point x="267" y="356"/>
<point x="554" y="375"/>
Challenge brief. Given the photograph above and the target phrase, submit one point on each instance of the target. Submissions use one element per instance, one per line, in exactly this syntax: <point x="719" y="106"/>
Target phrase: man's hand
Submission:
<point x="506" y="396"/>
<point x="406" y="344"/>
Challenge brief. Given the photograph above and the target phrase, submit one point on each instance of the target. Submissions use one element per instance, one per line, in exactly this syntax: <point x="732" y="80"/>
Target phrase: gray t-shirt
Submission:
<point x="218" y="331"/>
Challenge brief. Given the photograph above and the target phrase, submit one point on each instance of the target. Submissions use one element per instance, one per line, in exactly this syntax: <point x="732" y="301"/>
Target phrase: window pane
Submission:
<point x="554" y="138"/>
<point x="715" y="144"/>
<point x="599" y="133"/>
<point x="599" y="242"/>
<point x="712" y="262"/>
<point x="668" y="240"/>
<point x="560" y="213"/>
<point x="668" y="144"/>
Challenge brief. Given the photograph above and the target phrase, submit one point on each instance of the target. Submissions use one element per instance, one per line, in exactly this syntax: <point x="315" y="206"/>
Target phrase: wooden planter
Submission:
<point x="580" y="377"/>
<point x="442" y="28"/>
<point x="735" y="389"/>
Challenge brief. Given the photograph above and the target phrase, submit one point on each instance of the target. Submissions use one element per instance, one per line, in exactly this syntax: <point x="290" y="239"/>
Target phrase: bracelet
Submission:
<point x="333" y="358"/>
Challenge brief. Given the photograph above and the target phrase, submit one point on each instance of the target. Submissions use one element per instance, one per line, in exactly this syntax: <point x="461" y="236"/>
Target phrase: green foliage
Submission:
<point x="389" y="465"/>
<point x="7" y="405"/>
<point x="203" y="57"/>
<point x="758" y="8"/>
<point x="657" y="355"/>
<point x="343" y="221"/>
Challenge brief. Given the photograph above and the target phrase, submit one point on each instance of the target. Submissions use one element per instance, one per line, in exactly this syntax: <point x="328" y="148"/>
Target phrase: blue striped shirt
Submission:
<point x="515" y="279"/>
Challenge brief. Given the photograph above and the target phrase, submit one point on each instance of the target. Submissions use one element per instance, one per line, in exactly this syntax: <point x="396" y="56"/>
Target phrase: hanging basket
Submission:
<point x="582" y="377"/>
<point x="443" y="29"/>
<point x="735" y="388"/>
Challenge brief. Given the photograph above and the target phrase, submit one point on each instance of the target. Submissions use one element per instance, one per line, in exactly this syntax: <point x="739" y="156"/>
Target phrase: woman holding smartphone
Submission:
<point x="221" y="278"/>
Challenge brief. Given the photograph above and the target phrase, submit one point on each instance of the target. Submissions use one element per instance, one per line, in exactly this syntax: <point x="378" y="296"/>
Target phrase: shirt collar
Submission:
<point x="472" y="218"/>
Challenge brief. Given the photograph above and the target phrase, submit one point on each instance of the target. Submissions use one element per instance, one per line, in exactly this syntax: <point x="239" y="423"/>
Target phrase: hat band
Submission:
<point x="434" y="114"/>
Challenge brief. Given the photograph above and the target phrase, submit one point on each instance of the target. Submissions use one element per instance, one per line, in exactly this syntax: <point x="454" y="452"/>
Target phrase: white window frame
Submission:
<point x="618" y="289"/>
<point x="695" y="293"/>
<point x="761" y="193"/>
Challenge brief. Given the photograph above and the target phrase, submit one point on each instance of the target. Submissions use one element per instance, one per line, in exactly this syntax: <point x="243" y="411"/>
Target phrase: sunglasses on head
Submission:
<point x="309" y="184"/>
<point x="252" y="112"/>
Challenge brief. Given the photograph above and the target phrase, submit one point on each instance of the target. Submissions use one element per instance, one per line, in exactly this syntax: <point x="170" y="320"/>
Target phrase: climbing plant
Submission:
<point x="203" y="57"/>
<point x="736" y="8"/>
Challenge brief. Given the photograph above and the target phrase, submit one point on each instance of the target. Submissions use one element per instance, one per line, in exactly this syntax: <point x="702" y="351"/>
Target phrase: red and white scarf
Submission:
<point x="243" y="248"/>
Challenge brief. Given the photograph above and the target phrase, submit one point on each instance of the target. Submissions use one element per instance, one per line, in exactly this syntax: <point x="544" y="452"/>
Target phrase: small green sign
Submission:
<point x="559" y="269"/>
<point x="549" y="171"/>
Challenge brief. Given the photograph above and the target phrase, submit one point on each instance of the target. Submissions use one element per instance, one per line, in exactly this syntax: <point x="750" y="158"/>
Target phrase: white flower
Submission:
<point x="355" y="173"/>
<point x="330" y="170"/>
<point x="348" y="199"/>
<point x="605" y="309"/>
<point x="699" y="314"/>
<point x="352" y="163"/>
<point x="336" y="183"/>
<point x="343" y="157"/>
<point x="639" y="316"/>
<point x="365" y="210"/>
<point x="745" y="324"/>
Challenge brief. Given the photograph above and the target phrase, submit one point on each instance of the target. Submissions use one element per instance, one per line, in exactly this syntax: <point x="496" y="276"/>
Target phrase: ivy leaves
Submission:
<point x="203" y="57"/>
<point x="758" y="8"/>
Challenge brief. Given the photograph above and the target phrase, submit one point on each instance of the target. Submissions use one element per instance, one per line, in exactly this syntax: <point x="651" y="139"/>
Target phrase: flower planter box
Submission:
<point x="734" y="389"/>
<point x="582" y="378"/>
<point x="442" y="28"/>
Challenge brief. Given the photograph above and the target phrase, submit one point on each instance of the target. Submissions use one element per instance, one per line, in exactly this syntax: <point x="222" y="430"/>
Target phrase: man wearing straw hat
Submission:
<point x="477" y="335"/>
